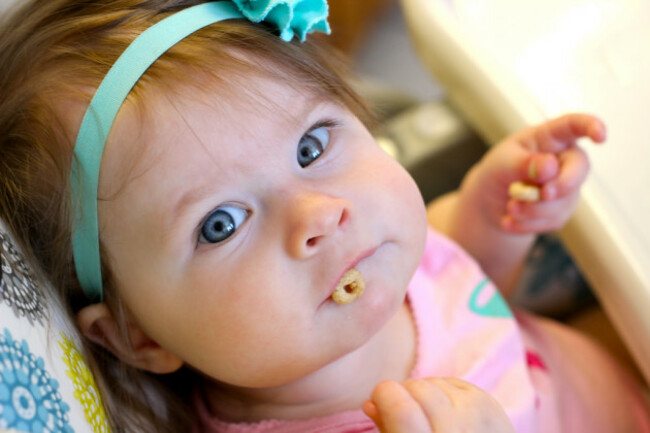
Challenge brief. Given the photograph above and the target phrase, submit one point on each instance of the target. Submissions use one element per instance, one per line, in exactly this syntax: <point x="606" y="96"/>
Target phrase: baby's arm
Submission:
<point x="435" y="405"/>
<point x="498" y="230"/>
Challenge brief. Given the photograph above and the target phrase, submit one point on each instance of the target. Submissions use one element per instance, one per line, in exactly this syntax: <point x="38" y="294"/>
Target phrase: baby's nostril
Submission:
<point x="344" y="217"/>
<point x="311" y="242"/>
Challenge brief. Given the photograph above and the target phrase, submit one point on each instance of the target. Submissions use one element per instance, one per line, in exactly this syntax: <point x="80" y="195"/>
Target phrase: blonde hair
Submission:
<point x="54" y="54"/>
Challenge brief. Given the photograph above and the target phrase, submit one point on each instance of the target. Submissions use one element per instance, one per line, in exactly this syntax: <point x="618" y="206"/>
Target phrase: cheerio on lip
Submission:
<point x="350" y="288"/>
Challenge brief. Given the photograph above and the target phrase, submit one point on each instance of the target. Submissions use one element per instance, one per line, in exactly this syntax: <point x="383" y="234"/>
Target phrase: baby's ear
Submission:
<point x="98" y="325"/>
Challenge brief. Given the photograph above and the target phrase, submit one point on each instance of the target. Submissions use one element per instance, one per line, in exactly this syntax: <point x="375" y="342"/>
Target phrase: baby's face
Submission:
<point x="237" y="220"/>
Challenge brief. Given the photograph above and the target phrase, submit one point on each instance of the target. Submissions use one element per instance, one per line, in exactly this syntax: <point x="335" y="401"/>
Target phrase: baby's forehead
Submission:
<point x="252" y="94"/>
<point x="214" y="114"/>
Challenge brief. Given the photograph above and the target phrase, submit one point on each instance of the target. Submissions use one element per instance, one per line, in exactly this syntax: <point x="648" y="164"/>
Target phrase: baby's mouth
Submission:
<point x="350" y="287"/>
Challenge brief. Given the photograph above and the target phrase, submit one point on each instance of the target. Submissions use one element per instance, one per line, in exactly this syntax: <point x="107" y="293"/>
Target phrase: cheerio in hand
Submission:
<point x="524" y="192"/>
<point x="350" y="288"/>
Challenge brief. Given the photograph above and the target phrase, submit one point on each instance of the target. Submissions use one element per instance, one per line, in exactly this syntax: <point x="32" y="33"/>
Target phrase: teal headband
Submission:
<point x="290" y="17"/>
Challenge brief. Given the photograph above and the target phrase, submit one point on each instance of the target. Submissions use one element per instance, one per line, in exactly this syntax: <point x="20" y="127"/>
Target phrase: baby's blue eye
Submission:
<point x="312" y="145"/>
<point x="221" y="224"/>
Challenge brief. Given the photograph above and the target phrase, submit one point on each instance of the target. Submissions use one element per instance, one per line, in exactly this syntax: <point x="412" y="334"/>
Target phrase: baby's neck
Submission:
<point x="341" y="386"/>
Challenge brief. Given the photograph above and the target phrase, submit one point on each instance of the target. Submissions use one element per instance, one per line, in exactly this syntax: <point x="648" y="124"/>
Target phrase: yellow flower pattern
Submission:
<point x="85" y="389"/>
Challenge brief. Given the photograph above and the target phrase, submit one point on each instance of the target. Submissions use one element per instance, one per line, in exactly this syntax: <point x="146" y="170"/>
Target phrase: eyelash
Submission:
<point x="330" y="124"/>
<point x="326" y="123"/>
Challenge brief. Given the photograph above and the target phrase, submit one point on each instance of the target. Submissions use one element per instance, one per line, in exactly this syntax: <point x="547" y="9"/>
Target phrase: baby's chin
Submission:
<point x="376" y="308"/>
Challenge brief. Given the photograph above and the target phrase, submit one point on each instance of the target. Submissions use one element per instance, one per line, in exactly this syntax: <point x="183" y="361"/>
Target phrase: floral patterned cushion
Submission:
<point x="45" y="383"/>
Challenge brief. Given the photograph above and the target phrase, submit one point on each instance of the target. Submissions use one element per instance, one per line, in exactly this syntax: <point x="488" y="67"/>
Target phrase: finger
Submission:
<point x="574" y="167"/>
<point x="560" y="133"/>
<point x="481" y="411"/>
<point x="434" y="398"/>
<point x="468" y="409"/>
<point x="461" y="384"/>
<point x="517" y="224"/>
<point x="517" y="163"/>
<point x="371" y="411"/>
<point x="397" y="411"/>
<point x="521" y="210"/>
<point x="511" y="162"/>
<point x="538" y="226"/>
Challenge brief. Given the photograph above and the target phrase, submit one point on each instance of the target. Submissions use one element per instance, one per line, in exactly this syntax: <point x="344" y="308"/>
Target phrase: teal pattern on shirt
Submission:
<point x="496" y="306"/>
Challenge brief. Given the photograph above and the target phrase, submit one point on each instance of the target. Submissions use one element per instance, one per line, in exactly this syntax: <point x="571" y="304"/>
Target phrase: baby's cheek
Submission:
<point x="406" y="209"/>
<point x="407" y="198"/>
<point x="397" y="179"/>
<point x="254" y="353"/>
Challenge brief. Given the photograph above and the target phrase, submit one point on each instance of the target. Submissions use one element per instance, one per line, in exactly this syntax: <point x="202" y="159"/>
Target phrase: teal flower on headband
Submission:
<point x="291" y="17"/>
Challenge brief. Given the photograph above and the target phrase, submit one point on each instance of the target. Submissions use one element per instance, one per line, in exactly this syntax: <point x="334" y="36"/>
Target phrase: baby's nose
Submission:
<point x="315" y="219"/>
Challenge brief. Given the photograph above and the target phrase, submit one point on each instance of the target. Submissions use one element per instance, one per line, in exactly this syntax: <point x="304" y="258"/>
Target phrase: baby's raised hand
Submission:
<point x="438" y="405"/>
<point x="546" y="156"/>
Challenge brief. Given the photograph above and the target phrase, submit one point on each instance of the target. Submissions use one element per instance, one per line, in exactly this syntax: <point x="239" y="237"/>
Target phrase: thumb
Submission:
<point x="371" y="411"/>
<point x="517" y="163"/>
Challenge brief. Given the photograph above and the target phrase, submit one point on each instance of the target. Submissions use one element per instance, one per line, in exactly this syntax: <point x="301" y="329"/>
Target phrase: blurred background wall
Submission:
<point x="373" y="34"/>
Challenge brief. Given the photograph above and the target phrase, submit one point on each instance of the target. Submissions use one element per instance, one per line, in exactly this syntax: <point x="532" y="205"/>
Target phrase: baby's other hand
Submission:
<point x="435" y="405"/>
<point x="547" y="156"/>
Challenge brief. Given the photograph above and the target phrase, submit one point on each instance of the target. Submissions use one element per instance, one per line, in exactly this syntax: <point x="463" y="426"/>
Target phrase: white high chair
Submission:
<point x="509" y="63"/>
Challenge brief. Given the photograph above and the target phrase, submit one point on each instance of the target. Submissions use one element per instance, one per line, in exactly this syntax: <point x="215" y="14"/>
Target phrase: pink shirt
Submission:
<point x="465" y="329"/>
